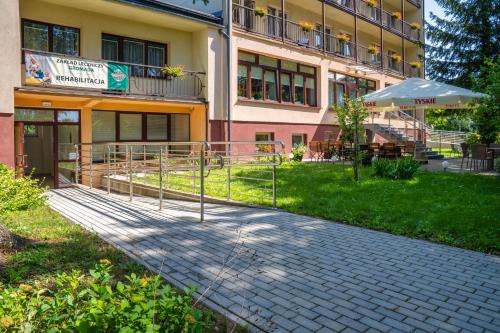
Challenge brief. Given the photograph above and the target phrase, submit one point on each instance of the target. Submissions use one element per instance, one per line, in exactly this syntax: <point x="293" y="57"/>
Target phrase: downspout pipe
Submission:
<point x="226" y="32"/>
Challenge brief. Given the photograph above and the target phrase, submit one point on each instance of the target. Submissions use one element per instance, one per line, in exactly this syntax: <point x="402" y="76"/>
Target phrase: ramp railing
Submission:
<point x="236" y="172"/>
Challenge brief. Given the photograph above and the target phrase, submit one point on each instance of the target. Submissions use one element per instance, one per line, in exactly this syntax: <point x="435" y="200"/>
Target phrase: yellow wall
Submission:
<point x="92" y="25"/>
<point x="86" y="105"/>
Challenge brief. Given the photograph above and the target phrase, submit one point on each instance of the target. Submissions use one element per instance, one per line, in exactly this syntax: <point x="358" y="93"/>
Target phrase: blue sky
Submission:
<point x="431" y="6"/>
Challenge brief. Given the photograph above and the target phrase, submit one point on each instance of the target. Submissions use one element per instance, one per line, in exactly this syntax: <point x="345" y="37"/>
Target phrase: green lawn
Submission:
<point x="461" y="210"/>
<point x="49" y="244"/>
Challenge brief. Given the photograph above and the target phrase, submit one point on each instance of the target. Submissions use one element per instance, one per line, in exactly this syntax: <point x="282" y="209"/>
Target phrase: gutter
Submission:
<point x="175" y="10"/>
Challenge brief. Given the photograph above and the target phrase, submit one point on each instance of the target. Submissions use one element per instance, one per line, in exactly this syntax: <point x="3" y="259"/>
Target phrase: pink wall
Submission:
<point x="7" y="139"/>
<point x="245" y="131"/>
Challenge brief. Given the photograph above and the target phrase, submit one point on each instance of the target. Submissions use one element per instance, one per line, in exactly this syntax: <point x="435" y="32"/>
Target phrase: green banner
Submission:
<point x="117" y="77"/>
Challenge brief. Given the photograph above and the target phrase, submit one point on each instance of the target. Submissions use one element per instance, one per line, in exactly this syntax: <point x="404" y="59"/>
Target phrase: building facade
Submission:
<point x="90" y="71"/>
<point x="293" y="59"/>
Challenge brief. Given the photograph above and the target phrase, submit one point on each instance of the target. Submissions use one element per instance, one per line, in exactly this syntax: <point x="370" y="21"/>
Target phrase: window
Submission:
<point x="33" y="115"/>
<point x="134" y="51"/>
<point x="340" y="86"/>
<point x="264" y="78"/>
<point x="137" y="126"/>
<point x="298" y="139"/>
<point x="103" y="126"/>
<point x="51" y="38"/>
<point x="157" y="127"/>
<point x="68" y="116"/>
<point x="263" y="136"/>
<point x="130" y="126"/>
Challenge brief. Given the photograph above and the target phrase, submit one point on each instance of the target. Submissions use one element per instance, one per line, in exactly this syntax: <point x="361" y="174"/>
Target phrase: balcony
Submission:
<point x="269" y="26"/>
<point x="143" y="81"/>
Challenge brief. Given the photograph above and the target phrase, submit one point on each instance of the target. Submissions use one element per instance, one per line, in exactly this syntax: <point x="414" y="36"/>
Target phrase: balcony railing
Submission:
<point x="367" y="11"/>
<point x="147" y="81"/>
<point x="270" y="26"/>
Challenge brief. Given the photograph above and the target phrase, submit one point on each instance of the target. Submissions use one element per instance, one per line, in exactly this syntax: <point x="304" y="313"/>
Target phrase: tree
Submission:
<point x="450" y="120"/>
<point x="487" y="114"/>
<point x="463" y="41"/>
<point x="350" y="118"/>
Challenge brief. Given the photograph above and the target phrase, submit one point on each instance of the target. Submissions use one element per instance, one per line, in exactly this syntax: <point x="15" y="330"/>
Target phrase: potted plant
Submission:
<point x="173" y="71"/>
<point x="344" y="38"/>
<point x="298" y="152"/>
<point x="371" y="3"/>
<point x="416" y="64"/>
<point x="415" y="26"/>
<point x="260" y="11"/>
<point x="306" y="26"/>
<point x="373" y="49"/>
<point x="396" y="15"/>
<point x="396" y="57"/>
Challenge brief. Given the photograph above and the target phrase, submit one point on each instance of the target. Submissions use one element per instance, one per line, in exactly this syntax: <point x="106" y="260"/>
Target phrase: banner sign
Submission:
<point x="64" y="71"/>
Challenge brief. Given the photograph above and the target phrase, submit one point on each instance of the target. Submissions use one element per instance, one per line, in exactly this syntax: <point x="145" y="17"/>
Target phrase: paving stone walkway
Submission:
<point x="282" y="272"/>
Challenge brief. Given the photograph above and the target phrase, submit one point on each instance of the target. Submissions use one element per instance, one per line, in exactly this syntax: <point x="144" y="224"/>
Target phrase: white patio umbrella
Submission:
<point x="416" y="93"/>
<point x="420" y="94"/>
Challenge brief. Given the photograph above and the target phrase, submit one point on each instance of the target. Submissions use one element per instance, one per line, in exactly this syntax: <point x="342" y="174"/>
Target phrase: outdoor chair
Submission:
<point x="327" y="149"/>
<point x="315" y="150"/>
<point x="409" y="148"/>
<point x="389" y="150"/>
<point x="465" y="154"/>
<point x="479" y="154"/>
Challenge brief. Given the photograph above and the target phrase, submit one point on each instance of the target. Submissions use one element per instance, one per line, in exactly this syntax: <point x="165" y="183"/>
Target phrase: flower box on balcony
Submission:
<point x="415" y="26"/>
<point x="344" y="38"/>
<point x="306" y="26"/>
<point x="373" y="49"/>
<point x="260" y="11"/>
<point x="396" y="15"/>
<point x="396" y="57"/>
<point x="372" y="3"/>
<point x="416" y="64"/>
<point x="173" y="71"/>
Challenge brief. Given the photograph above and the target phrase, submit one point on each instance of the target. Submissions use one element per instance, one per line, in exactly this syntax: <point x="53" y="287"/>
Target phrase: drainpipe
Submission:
<point x="227" y="33"/>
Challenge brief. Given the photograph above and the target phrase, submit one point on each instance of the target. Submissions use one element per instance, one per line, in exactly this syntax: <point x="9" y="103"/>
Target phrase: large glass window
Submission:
<point x="34" y="115"/>
<point x="179" y="127"/>
<point x="271" y="86"/>
<point x="130" y="126"/>
<point x="257" y="83"/>
<point x="103" y="126"/>
<point x="51" y="38"/>
<point x="157" y="127"/>
<point x="341" y="86"/>
<point x="68" y="116"/>
<point x="286" y="88"/>
<point x="264" y="78"/>
<point x="134" y="51"/>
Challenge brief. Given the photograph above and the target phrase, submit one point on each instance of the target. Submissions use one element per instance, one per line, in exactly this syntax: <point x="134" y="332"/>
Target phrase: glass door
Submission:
<point x="68" y="135"/>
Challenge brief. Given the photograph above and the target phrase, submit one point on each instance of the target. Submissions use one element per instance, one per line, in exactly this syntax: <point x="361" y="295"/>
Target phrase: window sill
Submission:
<point x="243" y="100"/>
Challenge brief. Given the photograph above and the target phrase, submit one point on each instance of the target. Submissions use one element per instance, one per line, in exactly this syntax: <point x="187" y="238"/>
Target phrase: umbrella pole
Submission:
<point x="415" y="133"/>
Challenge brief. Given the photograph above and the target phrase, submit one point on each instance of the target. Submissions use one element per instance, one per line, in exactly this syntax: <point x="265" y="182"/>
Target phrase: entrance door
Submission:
<point x="39" y="150"/>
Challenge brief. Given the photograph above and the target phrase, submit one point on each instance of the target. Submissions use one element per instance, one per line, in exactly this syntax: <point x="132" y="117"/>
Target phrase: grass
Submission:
<point x="49" y="244"/>
<point x="454" y="209"/>
<point x="447" y="152"/>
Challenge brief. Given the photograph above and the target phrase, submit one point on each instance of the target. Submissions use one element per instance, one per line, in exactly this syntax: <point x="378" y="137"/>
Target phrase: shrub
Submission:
<point x="298" y="152"/>
<point x="18" y="193"/>
<point x="402" y="168"/>
<point x="96" y="303"/>
<point x="472" y="138"/>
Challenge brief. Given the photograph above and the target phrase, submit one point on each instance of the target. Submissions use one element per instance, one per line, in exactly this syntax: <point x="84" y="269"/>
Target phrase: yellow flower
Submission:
<point x="105" y="262"/>
<point x="25" y="287"/>
<point x="144" y="281"/>
<point x="6" y="321"/>
<point x="189" y="318"/>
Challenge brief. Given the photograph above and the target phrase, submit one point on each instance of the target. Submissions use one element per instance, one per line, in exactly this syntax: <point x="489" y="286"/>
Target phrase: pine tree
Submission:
<point x="460" y="43"/>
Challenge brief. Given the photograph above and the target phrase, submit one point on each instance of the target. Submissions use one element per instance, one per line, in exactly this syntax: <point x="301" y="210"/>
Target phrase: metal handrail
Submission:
<point x="190" y="162"/>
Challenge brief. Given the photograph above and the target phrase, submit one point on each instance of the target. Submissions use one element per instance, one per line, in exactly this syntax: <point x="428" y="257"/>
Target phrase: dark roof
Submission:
<point x="178" y="10"/>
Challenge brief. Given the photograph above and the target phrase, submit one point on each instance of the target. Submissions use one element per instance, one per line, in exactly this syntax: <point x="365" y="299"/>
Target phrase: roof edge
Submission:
<point x="176" y="10"/>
